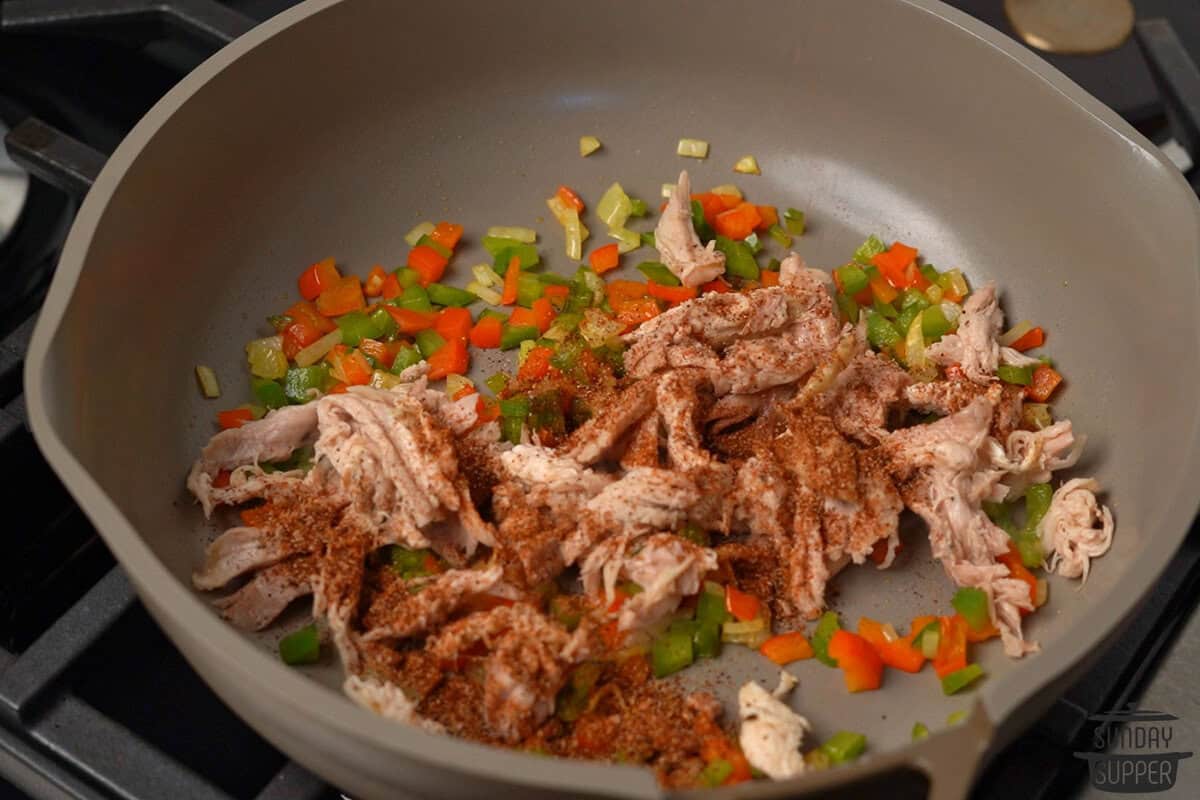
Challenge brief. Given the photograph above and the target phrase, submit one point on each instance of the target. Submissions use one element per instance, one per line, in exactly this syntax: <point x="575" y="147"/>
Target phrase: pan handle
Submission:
<point x="953" y="758"/>
<point x="207" y="20"/>
<point x="1177" y="78"/>
<point x="55" y="157"/>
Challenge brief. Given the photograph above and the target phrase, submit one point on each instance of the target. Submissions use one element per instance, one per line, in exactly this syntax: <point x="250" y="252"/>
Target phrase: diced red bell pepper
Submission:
<point x="893" y="264"/>
<point x="672" y="294"/>
<point x="711" y="204"/>
<point x="486" y="333"/>
<point x="429" y="263"/>
<point x="543" y="314"/>
<point x="619" y="291"/>
<point x="342" y="297"/>
<point x="317" y="278"/>
<point x="536" y="365"/>
<point x="222" y="479"/>
<point x="338" y="388"/>
<point x="895" y="652"/>
<point x="557" y="295"/>
<point x="522" y="317"/>
<point x="881" y="290"/>
<point x="411" y="321"/>
<point x="383" y="352"/>
<point x="952" y="646"/>
<point x="605" y="258"/>
<point x="717" y="285"/>
<point x="570" y="198"/>
<point x="447" y="234"/>
<point x="861" y="666"/>
<point x="391" y="288"/>
<point x="487" y="409"/>
<point x="742" y="605"/>
<point x="728" y="200"/>
<point x="453" y="323"/>
<point x="769" y="277"/>
<point x="306" y="327"/>
<point x="633" y="312"/>
<point x="1045" y="380"/>
<point x="349" y="366"/>
<point x="449" y="359"/>
<point x="1034" y="337"/>
<point x="511" y="278"/>
<point x="786" y="648"/>
<point x="373" y="286"/>
<point x="770" y="216"/>
<point x="738" y="222"/>
<point x="234" y="418"/>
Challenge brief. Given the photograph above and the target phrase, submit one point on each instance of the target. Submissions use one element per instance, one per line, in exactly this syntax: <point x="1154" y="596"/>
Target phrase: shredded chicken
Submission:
<point x="387" y="700"/>
<point x="1076" y="528"/>
<point x="398" y="613"/>
<point x="261" y="600"/>
<point x="771" y="733"/>
<point x="679" y="247"/>
<point x="973" y="345"/>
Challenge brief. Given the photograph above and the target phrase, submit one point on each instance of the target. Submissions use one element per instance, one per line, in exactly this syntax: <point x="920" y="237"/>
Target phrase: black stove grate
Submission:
<point x="71" y="628"/>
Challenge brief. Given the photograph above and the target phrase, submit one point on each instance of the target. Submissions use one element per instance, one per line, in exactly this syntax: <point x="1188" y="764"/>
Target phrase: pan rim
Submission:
<point x="170" y="597"/>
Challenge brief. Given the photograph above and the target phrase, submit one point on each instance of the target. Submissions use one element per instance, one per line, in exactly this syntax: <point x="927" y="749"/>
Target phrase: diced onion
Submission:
<point x="929" y="644"/>
<point x="692" y="148"/>
<point x="208" y="382"/>
<point x="627" y="240"/>
<point x="934" y="293"/>
<point x="728" y="188"/>
<point x="419" y="230"/>
<point x="588" y="145"/>
<point x="485" y="275"/>
<point x="484" y="293"/>
<point x="526" y="347"/>
<point x="456" y="383"/>
<point x="266" y="357"/>
<point x="667" y="190"/>
<point x="576" y="232"/>
<point x="318" y="349"/>
<point x="614" y="207"/>
<point x="914" y="343"/>
<point x="526" y="235"/>
<point x="747" y="165"/>
<point x="1016" y="332"/>
<point x="597" y="329"/>
<point x="1036" y="416"/>
<point x="951" y="311"/>
<point x="385" y="380"/>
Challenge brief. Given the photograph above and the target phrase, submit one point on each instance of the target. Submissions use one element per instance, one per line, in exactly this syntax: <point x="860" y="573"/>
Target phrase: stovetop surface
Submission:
<point x="129" y="718"/>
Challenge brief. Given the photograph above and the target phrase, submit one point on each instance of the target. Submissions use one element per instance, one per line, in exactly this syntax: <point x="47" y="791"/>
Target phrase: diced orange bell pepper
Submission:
<point x="728" y="200"/>
<point x="557" y="295"/>
<point x="717" y="285"/>
<point x="383" y="352"/>
<point x="536" y="365"/>
<point x="429" y="263"/>
<point x="447" y="234"/>
<point x="511" y="278"/>
<point x="1016" y="569"/>
<point x="861" y="666"/>
<point x="619" y="291"/>
<point x="258" y="516"/>
<point x="633" y="312"/>
<point x="486" y="410"/>
<point x="881" y="290"/>
<point x="952" y="646"/>
<point x="234" y="418"/>
<point x="307" y="313"/>
<point x="449" y="359"/>
<point x="786" y="648"/>
<point x="769" y="277"/>
<point x="338" y="388"/>
<point x="711" y="204"/>
<point x="739" y="222"/>
<point x="543" y="314"/>
<point x="742" y="605"/>
<point x="605" y="258"/>
<point x="411" y="321"/>
<point x="988" y="631"/>
<point x="317" y="278"/>
<point x="1034" y="337"/>
<point x="893" y="263"/>
<point x="522" y="317"/>
<point x="343" y="297"/>
<point x="770" y="216"/>
<point x="717" y="747"/>
<point x="892" y="649"/>
<point x="391" y="288"/>
<point x="463" y="392"/>
<point x="486" y="333"/>
<point x="570" y="198"/>
<point x="373" y="286"/>
<point x="349" y="366"/>
<point x="306" y="327"/>
<point x="453" y="323"/>
<point x="672" y="294"/>
<point x="919" y="624"/>
<point x="1045" y="380"/>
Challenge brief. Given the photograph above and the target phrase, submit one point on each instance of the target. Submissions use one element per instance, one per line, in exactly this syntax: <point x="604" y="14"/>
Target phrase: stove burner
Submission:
<point x="14" y="188"/>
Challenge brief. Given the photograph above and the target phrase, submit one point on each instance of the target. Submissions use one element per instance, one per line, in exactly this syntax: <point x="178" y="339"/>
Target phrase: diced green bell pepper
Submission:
<point x="648" y="240"/>
<point x="301" y="647"/>
<point x="410" y="562"/>
<point x="773" y="265"/>
<point x="357" y="326"/>
<point x="912" y="297"/>
<point x="510" y="429"/>
<point x="428" y="342"/>
<point x="710" y="605"/>
<point x="444" y="295"/>
<point x="698" y="222"/>
<point x="959" y="679"/>
<point x="515" y="407"/>
<point x="844" y="746"/>
<point x="869" y="249"/>
<point x="405" y="358"/>
<point x="529" y="288"/>
<point x="715" y="773"/>
<point x="527" y="254"/>
<point x="407" y="276"/>
<point x="671" y="651"/>
<point x="706" y="641"/>
<point x="905" y="318"/>
<point x="546" y="414"/>
<point x="930" y="272"/>
<point x="567" y="614"/>
<point x="434" y="245"/>
<point x="880" y="332"/>
<point x="269" y="393"/>
<point x="972" y="604"/>
<point x="1021" y="376"/>
<point x="934" y="323"/>
<point x="1037" y="503"/>
<point x="554" y="278"/>
<point x="852" y="278"/>
<point x="497" y="382"/>
<point x="511" y="336"/>
<point x="793" y="219"/>
<point x="658" y="272"/>
<point x="299" y="383"/>
<point x="886" y="310"/>
<point x="694" y="533"/>
<point x="739" y="258"/>
<point x="638" y="207"/>
<point x="780" y="235"/>
<point x="495" y="245"/>
<point x="415" y="298"/>
<point x="572" y="700"/>
<point x="384" y="324"/>
<point x="827" y="626"/>
<point x="753" y="243"/>
<point x="919" y="731"/>
<point x="566" y="355"/>
<point x="848" y="307"/>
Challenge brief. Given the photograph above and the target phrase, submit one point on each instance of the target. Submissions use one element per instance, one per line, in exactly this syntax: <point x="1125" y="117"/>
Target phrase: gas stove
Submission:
<point x="94" y="700"/>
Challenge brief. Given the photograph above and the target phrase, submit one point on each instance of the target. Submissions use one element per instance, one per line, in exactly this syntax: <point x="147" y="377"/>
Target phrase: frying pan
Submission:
<point x="334" y="127"/>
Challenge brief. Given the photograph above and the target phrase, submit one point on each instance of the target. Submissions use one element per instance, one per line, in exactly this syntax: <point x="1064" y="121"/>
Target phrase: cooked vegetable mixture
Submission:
<point x="674" y="465"/>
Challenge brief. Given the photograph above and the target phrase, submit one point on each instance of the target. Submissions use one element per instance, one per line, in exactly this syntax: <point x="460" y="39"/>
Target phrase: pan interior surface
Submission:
<point x="336" y="135"/>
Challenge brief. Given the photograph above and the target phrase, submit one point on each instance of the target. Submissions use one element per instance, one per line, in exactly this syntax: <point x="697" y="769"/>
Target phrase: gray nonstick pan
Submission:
<point x="335" y="126"/>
